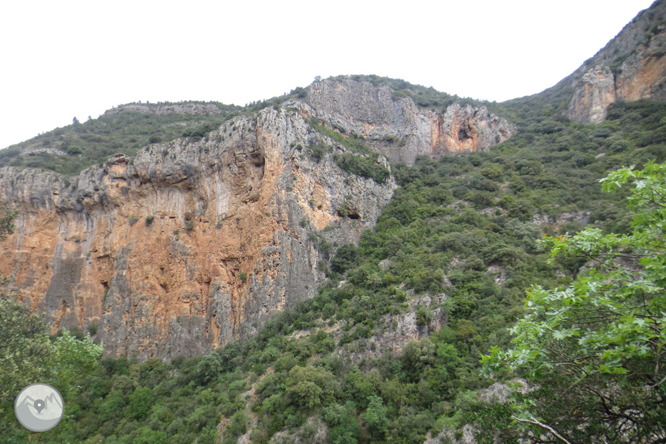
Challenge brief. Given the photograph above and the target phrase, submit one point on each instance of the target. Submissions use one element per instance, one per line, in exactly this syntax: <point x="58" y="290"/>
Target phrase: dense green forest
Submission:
<point x="462" y="226"/>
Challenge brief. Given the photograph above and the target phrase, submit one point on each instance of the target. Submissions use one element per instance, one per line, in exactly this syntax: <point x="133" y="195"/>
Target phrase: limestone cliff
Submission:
<point x="630" y="67"/>
<point x="189" y="244"/>
<point x="593" y="94"/>
<point x="192" y="243"/>
<point x="398" y="128"/>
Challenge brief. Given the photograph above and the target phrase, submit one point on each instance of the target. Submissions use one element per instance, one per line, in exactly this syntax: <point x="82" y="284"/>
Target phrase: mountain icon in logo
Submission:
<point x="39" y="407"/>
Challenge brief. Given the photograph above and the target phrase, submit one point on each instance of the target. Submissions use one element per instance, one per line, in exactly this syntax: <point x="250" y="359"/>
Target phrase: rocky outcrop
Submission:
<point x="188" y="245"/>
<point x="595" y="91"/>
<point x="582" y="217"/>
<point x="53" y="151"/>
<point x="398" y="128"/>
<point x="630" y="67"/>
<point x="465" y="435"/>
<point x="396" y="330"/>
<point x="314" y="431"/>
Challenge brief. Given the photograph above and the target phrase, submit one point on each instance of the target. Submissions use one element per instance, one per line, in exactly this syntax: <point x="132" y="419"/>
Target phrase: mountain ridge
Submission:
<point x="322" y="267"/>
<point x="323" y="138"/>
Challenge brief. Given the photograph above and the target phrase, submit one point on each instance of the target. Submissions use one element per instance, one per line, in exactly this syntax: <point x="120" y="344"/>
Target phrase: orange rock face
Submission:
<point x="631" y="67"/>
<point x="594" y="93"/>
<point x="188" y="245"/>
<point x="646" y="82"/>
<point x="398" y="128"/>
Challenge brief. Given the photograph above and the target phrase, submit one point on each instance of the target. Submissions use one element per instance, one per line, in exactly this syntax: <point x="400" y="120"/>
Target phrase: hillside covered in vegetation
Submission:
<point x="453" y="253"/>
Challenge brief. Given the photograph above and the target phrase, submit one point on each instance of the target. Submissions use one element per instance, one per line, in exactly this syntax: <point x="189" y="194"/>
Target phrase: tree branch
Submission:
<point x="542" y="425"/>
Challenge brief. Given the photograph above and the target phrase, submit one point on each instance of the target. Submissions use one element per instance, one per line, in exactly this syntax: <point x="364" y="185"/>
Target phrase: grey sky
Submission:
<point x="78" y="58"/>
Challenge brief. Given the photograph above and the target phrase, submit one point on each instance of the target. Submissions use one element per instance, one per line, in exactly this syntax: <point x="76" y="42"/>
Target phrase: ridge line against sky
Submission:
<point x="79" y="58"/>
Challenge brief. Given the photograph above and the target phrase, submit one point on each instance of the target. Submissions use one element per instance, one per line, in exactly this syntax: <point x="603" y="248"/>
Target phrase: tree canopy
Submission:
<point x="595" y="349"/>
<point x="29" y="355"/>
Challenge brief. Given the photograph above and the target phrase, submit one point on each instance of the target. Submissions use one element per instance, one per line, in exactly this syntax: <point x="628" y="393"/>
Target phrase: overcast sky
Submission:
<point x="62" y="59"/>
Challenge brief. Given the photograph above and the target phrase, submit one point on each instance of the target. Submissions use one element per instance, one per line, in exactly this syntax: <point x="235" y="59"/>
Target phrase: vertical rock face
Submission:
<point x="188" y="245"/>
<point x="593" y="94"/>
<point x="631" y="67"/>
<point x="466" y="128"/>
<point x="397" y="128"/>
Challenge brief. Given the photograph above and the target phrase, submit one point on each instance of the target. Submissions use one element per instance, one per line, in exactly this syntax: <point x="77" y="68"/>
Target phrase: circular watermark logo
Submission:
<point x="39" y="407"/>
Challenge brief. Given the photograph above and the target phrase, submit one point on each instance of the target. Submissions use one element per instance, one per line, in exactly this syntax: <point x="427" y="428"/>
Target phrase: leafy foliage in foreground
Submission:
<point x="28" y="355"/>
<point x="596" y="348"/>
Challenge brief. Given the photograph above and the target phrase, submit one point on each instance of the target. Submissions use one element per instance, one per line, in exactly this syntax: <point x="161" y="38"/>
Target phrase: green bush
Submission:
<point x="140" y="403"/>
<point x="345" y="258"/>
<point x="92" y="329"/>
<point x="364" y="166"/>
<point x="316" y="152"/>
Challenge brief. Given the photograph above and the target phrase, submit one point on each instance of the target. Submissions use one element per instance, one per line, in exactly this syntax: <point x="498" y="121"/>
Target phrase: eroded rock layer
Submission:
<point x="398" y="128"/>
<point x="191" y="244"/>
<point x="631" y="67"/>
<point x="187" y="245"/>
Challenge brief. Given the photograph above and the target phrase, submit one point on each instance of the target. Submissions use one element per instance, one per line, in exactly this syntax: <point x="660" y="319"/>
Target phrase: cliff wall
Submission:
<point x="231" y="240"/>
<point x="190" y="244"/>
<point x="399" y="129"/>
<point x="630" y="67"/>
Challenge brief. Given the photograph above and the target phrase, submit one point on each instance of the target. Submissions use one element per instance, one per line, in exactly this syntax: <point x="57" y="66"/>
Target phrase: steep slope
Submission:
<point x="127" y="128"/>
<point x="630" y="67"/>
<point x="390" y="344"/>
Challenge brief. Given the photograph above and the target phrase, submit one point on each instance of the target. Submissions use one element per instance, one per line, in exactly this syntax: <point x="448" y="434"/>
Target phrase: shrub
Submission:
<point x="364" y="166"/>
<point x="141" y="401"/>
<point x="149" y="220"/>
<point x="309" y="386"/>
<point x="317" y="152"/>
<point x="345" y="258"/>
<point x="423" y="316"/>
<point x="133" y="220"/>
